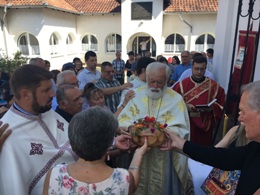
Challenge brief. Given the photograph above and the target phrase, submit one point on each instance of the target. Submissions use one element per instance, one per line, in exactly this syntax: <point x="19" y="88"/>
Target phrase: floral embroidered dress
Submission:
<point x="62" y="183"/>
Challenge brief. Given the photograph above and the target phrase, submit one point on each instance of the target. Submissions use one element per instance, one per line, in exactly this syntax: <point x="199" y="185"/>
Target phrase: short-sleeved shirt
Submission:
<point x="112" y="100"/>
<point x="118" y="67"/>
<point x="179" y="70"/>
<point x="86" y="76"/>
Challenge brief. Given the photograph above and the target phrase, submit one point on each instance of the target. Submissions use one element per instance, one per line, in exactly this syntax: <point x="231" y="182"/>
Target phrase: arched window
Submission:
<point x="28" y="44"/>
<point x="174" y="43"/>
<point x="113" y="43"/>
<point x="69" y="40"/>
<point x="70" y="43"/>
<point x="89" y="42"/>
<point x="204" y="42"/>
<point x="54" y="44"/>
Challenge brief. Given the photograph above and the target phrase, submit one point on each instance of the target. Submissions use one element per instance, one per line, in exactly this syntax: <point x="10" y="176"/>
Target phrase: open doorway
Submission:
<point x="144" y="43"/>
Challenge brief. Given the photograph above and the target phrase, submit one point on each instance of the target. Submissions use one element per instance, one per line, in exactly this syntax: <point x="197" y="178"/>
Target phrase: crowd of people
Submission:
<point x="67" y="131"/>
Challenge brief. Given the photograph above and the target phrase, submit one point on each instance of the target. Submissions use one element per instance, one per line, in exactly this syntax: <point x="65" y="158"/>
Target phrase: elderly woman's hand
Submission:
<point x="173" y="141"/>
<point x="3" y="136"/>
<point x="142" y="150"/>
<point x="123" y="142"/>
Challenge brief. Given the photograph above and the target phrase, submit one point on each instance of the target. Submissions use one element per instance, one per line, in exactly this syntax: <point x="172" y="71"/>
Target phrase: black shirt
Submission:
<point x="64" y="114"/>
<point x="245" y="158"/>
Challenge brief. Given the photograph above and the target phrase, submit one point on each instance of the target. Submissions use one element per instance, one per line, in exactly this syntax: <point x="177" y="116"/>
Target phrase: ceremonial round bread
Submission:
<point x="149" y="128"/>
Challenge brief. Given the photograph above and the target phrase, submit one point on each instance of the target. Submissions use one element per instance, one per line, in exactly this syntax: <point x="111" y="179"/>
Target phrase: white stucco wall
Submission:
<point x="99" y="25"/>
<point x="132" y="28"/>
<point x="62" y="24"/>
<point x="201" y="24"/>
<point x="20" y="21"/>
<point x="173" y="24"/>
<point x="42" y="22"/>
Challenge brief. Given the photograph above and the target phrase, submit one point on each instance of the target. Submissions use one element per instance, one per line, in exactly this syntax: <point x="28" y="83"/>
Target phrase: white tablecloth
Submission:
<point x="199" y="173"/>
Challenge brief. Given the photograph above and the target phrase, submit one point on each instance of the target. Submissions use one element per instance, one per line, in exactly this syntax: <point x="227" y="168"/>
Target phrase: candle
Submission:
<point x="225" y="125"/>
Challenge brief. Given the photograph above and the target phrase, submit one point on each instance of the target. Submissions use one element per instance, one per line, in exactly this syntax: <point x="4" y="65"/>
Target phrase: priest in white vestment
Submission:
<point x="39" y="138"/>
<point x="163" y="173"/>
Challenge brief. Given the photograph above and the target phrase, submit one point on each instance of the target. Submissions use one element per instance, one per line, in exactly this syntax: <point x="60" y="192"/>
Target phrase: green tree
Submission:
<point x="8" y="64"/>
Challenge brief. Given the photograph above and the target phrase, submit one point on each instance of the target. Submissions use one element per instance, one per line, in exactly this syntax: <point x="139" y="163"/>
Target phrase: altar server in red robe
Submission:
<point x="198" y="90"/>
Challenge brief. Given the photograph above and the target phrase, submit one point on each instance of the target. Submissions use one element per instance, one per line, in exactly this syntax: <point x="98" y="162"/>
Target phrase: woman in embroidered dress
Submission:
<point x="91" y="134"/>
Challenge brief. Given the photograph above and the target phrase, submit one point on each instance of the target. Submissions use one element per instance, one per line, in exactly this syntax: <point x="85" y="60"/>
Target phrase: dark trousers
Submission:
<point x="143" y="53"/>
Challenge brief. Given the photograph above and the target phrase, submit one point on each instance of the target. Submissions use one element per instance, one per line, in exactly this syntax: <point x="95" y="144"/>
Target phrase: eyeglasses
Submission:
<point x="199" y="69"/>
<point x="184" y="56"/>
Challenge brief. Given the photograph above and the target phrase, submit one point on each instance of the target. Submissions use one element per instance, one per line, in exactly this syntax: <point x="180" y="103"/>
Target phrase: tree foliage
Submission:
<point x="8" y="64"/>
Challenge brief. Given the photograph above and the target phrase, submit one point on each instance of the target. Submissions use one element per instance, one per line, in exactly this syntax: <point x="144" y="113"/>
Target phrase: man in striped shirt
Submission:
<point x="110" y="86"/>
<point x="119" y="68"/>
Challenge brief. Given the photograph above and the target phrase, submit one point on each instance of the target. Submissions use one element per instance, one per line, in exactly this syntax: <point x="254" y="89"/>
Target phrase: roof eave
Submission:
<point x="44" y="6"/>
<point x="97" y="13"/>
<point x="192" y="12"/>
<point x="64" y="10"/>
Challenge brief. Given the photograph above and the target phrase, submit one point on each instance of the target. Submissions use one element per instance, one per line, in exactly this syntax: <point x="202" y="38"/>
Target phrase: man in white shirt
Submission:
<point x="143" y="45"/>
<point x="88" y="74"/>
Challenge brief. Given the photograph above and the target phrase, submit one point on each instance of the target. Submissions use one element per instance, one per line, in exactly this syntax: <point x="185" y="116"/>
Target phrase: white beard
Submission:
<point x="155" y="94"/>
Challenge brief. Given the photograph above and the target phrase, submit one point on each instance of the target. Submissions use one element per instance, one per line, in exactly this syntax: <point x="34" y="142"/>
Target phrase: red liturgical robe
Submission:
<point x="202" y="124"/>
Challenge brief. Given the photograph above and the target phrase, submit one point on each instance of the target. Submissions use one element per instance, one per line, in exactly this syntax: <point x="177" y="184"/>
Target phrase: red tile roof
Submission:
<point x="58" y="4"/>
<point x="96" y="6"/>
<point x="192" y="6"/>
<point x="3" y="2"/>
<point x="108" y="6"/>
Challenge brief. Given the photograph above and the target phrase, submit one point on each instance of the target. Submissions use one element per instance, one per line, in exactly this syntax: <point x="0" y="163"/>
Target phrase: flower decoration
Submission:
<point x="146" y="123"/>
